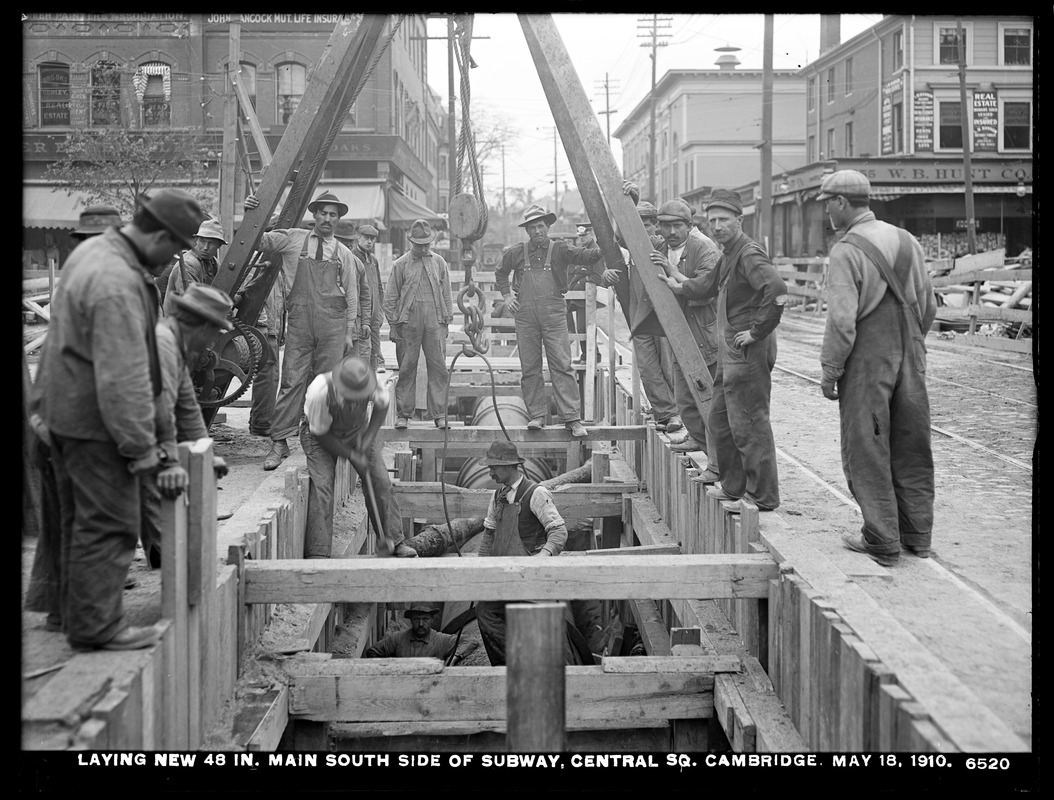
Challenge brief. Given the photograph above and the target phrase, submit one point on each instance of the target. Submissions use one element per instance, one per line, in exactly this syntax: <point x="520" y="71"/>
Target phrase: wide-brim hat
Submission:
<point x="503" y="454"/>
<point x="421" y="232"/>
<point x="211" y="229"/>
<point x="725" y="198"/>
<point x="537" y="212"/>
<point x="177" y="212"/>
<point x="209" y="303"/>
<point x="345" y="230"/>
<point x="353" y="379"/>
<point x="96" y="219"/>
<point x="847" y="183"/>
<point x="420" y="608"/>
<point x="327" y="199"/>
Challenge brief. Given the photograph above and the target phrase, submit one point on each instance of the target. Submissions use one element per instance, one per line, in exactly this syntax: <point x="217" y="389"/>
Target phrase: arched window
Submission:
<point x="105" y="106"/>
<point x="290" y="79"/>
<point x="153" y="87"/>
<point x="54" y="94"/>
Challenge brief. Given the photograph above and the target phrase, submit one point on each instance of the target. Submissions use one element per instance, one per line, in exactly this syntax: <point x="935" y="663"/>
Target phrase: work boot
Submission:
<point x="720" y="494"/>
<point x="920" y="552"/>
<point x="441" y="423"/>
<point x="857" y="543"/>
<point x="402" y="422"/>
<point x="674" y="424"/>
<point x="577" y="429"/>
<point x="687" y="445"/>
<point x="707" y="476"/>
<point x="536" y="424"/>
<point x="279" y="452"/>
<point x="131" y="638"/>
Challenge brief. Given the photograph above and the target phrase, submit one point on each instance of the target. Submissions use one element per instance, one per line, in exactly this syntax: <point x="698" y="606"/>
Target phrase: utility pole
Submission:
<point x="455" y="243"/>
<point x="967" y="139"/>
<point x="503" y="209"/>
<point x="608" y="110"/>
<point x="556" y="177"/>
<point x="765" y="229"/>
<point x="231" y="145"/>
<point x="657" y="24"/>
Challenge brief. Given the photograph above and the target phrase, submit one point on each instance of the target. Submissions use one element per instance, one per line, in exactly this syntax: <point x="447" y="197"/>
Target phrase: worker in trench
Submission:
<point x="341" y="423"/>
<point x="522" y="520"/>
<point x="324" y="309"/>
<point x="880" y="307"/>
<point x="420" y="640"/>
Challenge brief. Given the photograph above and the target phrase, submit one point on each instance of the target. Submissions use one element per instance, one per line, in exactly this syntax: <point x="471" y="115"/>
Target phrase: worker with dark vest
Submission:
<point x="750" y="298"/>
<point x="536" y="297"/>
<point x="340" y="423"/>
<point x="880" y="306"/>
<point x="419" y="640"/>
<point x="522" y="520"/>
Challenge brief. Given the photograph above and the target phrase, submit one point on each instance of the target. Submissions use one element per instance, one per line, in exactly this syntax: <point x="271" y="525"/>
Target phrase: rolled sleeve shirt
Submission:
<point x="316" y="404"/>
<point x="412" y="275"/>
<point x="563" y="256"/>
<point x="543" y="508"/>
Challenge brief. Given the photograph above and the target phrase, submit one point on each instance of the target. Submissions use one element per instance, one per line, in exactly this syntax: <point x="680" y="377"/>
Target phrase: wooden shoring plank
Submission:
<point x="698" y="663"/>
<point x="380" y="730"/>
<point x="223" y="663"/>
<point x="891" y="697"/>
<point x="924" y="736"/>
<point x="820" y="658"/>
<point x="424" y="500"/>
<point x="908" y="715"/>
<point x="632" y="550"/>
<point x="601" y="577"/>
<point x="652" y="630"/>
<point x="484" y="435"/>
<point x="804" y="596"/>
<point x="736" y="721"/>
<point x="776" y="624"/>
<point x="831" y="682"/>
<point x="878" y="675"/>
<point x="852" y="705"/>
<point x="333" y="693"/>
<point x="775" y="729"/>
<point x="268" y="733"/>
<point x="195" y="661"/>
<point x="174" y="587"/>
<point x="791" y="676"/>
<point x="647" y="522"/>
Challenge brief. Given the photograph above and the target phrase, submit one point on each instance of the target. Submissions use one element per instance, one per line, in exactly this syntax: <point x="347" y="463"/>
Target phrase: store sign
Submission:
<point x="891" y="89"/>
<point x="923" y="122"/>
<point x="985" y="121"/>
<point x="274" y="19"/>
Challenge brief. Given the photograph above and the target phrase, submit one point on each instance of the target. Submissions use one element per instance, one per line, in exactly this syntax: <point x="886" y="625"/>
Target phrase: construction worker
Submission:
<point x="419" y="306"/>
<point x="364" y="246"/>
<point x="98" y="380"/>
<point x="750" y="298"/>
<point x="340" y="424"/>
<point x="199" y="315"/>
<point x="879" y="307"/>
<point x="536" y="297"/>
<point x="682" y="256"/>
<point x="271" y="323"/>
<point x="419" y="640"/>
<point x="347" y="235"/>
<point x="197" y="265"/>
<point x="522" y="520"/>
<point x="95" y="220"/>
<point x="322" y="309"/>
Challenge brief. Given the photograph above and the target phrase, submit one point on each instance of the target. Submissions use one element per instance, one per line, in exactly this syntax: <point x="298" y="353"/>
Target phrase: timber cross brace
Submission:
<point x="336" y="82"/>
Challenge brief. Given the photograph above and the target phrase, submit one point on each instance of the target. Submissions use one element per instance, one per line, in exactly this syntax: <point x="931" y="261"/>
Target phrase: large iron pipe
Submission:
<point x="474" y="473"/>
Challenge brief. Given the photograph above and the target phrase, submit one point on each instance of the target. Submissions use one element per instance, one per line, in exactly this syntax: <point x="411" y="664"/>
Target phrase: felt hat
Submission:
<point x="421" y="232"/>
<point x="345" y="230"/>
<point x="503" y="454"/>
<point x="368" y="230"/>
<point x="209" y="303"/>
<point x="327" y="199"/>
<point x="537" y="212"/>
<point x="646" y="210"/>
<point x="725" y="198"/>
<point x="177" y="211"/>
<point x="847" y="183"/>
<point x="420" y="608"/>
<point x="675" y="211"/>
<point x="353" y="379"/>
<point x="96" y="219"/>
<point x="211" y="229"/>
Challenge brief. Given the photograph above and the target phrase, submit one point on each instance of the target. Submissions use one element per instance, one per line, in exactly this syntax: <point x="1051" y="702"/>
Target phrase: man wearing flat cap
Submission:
<point x="322" y="309"/>
<point x="419" y="640"/>
<point x="522" y="520"/>
<point x="197" y="265"/>
<point x="750" y="298"/>
<point x="95" y="398"/>
<point x="343" y="409"/>
<point x="577" y="278"/>
<point x="347" y="234"/>
<point x="536" y="296"/>
<point x="880" y="306"/>
<point x="365" y="243"/>
<point x="419" y="306"/>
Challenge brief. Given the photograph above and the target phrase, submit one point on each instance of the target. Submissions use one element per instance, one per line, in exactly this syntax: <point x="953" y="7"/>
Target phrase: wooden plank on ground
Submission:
<point x="648" y="524"/>
<point x="652" y="630"/>
<point x="484" y="435"/>
<point x="424" y="500"/>
<point x="700" y="663"/>
<point x="602" y="577"/>
<point x="271" y="726"/>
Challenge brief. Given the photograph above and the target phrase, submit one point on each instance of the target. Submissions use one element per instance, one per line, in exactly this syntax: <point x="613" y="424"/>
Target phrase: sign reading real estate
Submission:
<point x="985" y="121"/>
<point x="923" y="122"/>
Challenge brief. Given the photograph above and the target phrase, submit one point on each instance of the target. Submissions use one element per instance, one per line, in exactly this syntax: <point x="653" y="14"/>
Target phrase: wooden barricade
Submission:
<point x="806" y="280"/>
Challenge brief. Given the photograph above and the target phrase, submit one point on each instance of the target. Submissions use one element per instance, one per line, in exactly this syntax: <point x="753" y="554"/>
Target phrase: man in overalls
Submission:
<point x="419" y="307"/>
<point x="322" y="309"/>
<point x="521" y="520"/>
<point x="536" y="297"/>
<point x="880" y="306"/>
<point x="340" y="424"/>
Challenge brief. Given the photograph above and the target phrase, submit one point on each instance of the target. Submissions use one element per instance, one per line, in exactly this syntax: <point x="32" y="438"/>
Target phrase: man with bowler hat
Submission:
<point x="198" y="265"/>
<point x="322" y="309"/>
<point x="419" y="306"/>
<point x="880" y="306"/>
<point x="417" y="641"/>
<point x="340" y="423"/>
<point x="99" y="377"/>
<point x="750" y="298"/>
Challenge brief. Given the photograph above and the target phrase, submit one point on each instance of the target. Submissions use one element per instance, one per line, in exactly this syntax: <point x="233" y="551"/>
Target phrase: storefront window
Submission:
<point x="1017" y="126"/>
<point x="54" y="94"/>
<point x="105" y="94"/>
<point x="951" y="132"/>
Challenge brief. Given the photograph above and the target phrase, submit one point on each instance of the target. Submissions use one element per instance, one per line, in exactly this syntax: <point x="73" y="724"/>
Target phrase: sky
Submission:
<point x="506" y="84"/>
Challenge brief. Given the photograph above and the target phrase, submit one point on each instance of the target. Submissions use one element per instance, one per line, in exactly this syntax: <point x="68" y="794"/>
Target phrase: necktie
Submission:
<point x="503" y="494"/>
<point x="318" y="252"/>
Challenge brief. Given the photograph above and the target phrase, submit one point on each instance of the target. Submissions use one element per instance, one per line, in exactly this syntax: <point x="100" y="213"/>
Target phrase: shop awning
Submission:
<point x="893" y="192"/>
<point x="50" y="207"/>
<point x="404" y="211"/>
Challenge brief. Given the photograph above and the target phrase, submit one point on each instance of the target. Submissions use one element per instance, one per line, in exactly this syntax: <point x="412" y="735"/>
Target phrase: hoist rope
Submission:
<point x="467" y="141"/>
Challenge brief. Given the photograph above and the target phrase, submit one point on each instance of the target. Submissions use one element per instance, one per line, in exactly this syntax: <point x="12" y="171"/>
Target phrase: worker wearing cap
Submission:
<point x="347" y="234"/>
<point x="522" y="520"/>
<point x="419" y="307"/>
<point x="364" y="246"/>
<point x="95" y="220"/>
<point x="96" y="388"/>
<point x="197" y="265"/>
<point x="322" y="309"/>
<point x="880" y="305"/>
<point x="417" y="641"/>
<point x="538" y="272"/>
<point x="683" y="256"/>
<point x="750" y="298"/>
<point x="340" y="422"/>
